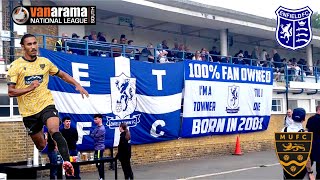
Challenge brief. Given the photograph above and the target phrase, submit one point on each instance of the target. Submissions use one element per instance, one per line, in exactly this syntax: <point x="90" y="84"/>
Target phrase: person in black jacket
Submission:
<point x="124" y="151"/>
<point x="71" y="136"/>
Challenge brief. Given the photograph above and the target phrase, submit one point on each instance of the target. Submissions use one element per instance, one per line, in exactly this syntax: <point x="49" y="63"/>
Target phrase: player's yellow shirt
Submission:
<point x="22" y="73"/>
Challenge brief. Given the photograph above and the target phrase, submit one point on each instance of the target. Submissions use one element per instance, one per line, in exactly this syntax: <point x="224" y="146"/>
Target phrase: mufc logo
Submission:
<point x="42" y="66"/>
<point x="123" y="101"/>
<point x="293" y="150"/>
<point x="294" y="27"/>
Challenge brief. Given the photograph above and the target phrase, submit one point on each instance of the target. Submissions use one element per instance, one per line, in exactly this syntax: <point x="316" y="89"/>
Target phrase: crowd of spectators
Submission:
<point x="161" y="53"/>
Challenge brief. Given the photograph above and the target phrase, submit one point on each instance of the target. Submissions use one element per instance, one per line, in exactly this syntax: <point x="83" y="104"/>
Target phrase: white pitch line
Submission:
<point x="227" y="172"/>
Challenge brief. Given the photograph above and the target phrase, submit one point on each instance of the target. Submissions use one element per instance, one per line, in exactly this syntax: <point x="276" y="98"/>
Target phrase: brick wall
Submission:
<point x="14" y="146"/>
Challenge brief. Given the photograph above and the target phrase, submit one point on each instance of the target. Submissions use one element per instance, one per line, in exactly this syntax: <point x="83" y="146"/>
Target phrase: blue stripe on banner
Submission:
<point x="99" y="70"/>
<point x="158" y="79"/>
<point x="152" y="79"/>
<point x="204" y="126"/>
<point x="204" y="71"/>
<point x="156" y="128"/>
<point x="144" y="128"/>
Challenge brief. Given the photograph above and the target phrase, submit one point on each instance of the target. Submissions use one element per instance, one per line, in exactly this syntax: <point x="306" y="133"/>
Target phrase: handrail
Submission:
<point x="108" y="49"/>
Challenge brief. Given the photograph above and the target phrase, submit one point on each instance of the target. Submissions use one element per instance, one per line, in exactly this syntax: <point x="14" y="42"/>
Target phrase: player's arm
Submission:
<point x="53" y="70"/>
<point x="12" y="78"/>
<point x="14" y="92"/>
<point x="67" y="78"/>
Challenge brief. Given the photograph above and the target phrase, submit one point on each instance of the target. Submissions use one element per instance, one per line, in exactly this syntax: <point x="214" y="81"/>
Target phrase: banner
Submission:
<point x="225" y="99"/>
<point x="146" y="96"/>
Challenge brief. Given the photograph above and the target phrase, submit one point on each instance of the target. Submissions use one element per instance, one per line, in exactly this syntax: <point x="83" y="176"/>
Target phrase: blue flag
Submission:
<point x="146" y="96"/>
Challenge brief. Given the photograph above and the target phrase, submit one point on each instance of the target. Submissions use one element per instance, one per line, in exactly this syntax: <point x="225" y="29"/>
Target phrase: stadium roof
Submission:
<point x="193" y="14"/>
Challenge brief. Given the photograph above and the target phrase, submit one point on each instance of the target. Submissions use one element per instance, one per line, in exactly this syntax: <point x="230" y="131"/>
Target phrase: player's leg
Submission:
<point x="53" y="127"/>
<point x="50" y="117"/>
<point x="39" y="140"/>
<point x="34" y="128"/>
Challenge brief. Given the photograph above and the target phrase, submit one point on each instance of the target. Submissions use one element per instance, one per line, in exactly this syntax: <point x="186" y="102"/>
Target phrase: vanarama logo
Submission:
<point x="66" y="15"/>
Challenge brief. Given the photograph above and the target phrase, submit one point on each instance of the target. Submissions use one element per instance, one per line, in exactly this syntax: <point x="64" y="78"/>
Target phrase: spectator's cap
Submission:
<point x="74" y="35"/>
<point x="130" y="41"/>
<point x="123" y="36"/>
<point x="299" y="114"/>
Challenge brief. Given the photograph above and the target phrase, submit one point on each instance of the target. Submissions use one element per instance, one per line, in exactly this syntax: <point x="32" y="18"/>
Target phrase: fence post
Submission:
<point x="87" y="48"/>
<point x="123" y="50"/>
<point x="287" y="85"/>
<point x="154" y="55"/>
<point x="44" y="41"/>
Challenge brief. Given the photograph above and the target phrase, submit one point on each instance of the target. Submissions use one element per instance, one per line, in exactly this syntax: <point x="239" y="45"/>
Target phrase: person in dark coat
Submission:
<point x="124" y="151"/>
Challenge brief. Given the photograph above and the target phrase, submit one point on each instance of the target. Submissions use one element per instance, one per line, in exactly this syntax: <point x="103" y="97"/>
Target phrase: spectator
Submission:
<point x="101" y="37"/>
<point x="255" y="53"/>
<point x="197" y="56"/>
<point x="161" y="54"/>
<point x="165" y="45"/>
<point x="247" y="59"/>
<point x="180" y="55"/>
<point x="93" y="35"/>
<point x="134" y="51"/>
<point x="214" y="54"/>
<point x="276" y="60"/>
<point x="60" y="44"/>
<point x="263" y="55"/>
<point x="298" y="116"/>
<point x="115" y="50"/>
<point x="189" y="54"/>
<point x="313" y="126"/>
<point x="98" y="135"/>
<point x="114" y="41"/>
<point x="174" y="52"/>
<point x="124" y="151"/>
<point x="238" y="58"/>
<point x="205" y="56"/>
<point x="71" y="136"/>
<point x="123" y="39"/>
<point x="146" y="54"/>
<point x="75" y="46"/>
<point x="288" y="119"/>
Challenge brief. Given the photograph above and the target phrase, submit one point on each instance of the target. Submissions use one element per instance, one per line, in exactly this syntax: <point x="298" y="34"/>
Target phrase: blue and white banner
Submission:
<point x="225" y="99"/>
<point x="146" y="96"/>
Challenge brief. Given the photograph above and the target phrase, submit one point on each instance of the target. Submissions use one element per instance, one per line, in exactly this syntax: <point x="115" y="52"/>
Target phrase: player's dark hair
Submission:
<point x="26" y="36"/>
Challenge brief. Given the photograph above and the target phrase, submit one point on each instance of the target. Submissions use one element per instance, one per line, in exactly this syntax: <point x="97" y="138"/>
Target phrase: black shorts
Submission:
<point x="35" y="123"/>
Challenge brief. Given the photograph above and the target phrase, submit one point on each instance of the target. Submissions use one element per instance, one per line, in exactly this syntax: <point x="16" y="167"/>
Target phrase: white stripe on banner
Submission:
<point x="96" y="103"/>
<point x="101" y="103"/>
<point x="122" y="65"/>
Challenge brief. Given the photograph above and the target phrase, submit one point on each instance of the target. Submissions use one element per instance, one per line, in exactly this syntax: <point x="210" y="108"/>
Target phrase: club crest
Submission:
<point x="123" y="101"/>
<point x="294" y="27"/>
<point x="293" y="150"/>
<point x="233" y="99"/>
<point x="42" y="66"/>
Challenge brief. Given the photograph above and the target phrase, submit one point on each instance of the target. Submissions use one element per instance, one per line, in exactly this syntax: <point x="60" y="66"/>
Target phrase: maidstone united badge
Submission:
<point x="293" y="150"/>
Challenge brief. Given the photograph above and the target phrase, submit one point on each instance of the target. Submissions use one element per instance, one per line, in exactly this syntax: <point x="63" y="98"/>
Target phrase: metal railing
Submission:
<point x="283" y="71"/>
